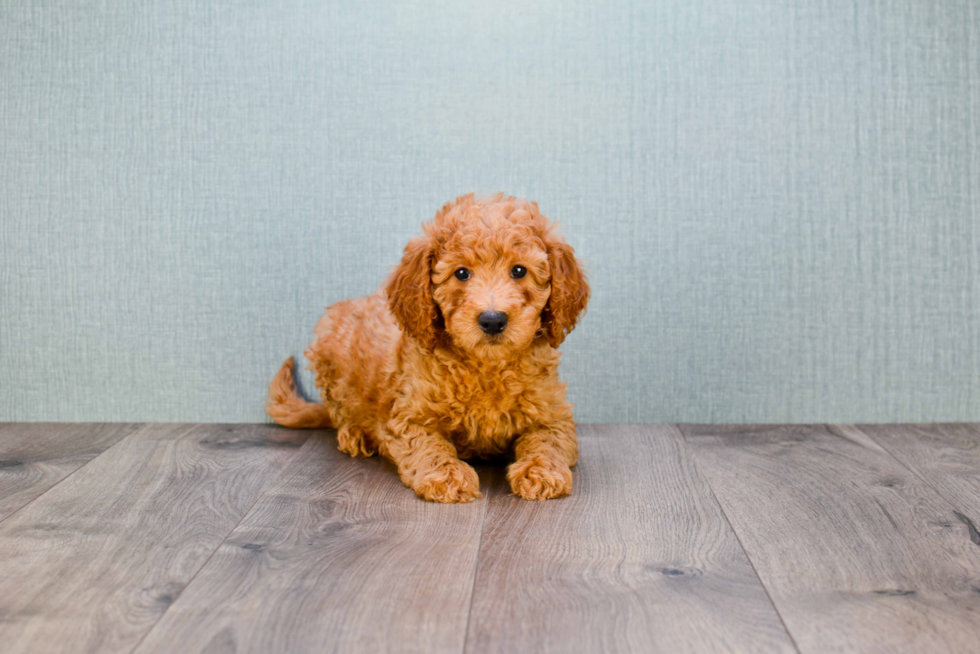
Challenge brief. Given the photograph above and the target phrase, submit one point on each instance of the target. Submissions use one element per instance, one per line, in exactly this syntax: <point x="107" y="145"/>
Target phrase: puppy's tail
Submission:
<point x="286" y="407"/>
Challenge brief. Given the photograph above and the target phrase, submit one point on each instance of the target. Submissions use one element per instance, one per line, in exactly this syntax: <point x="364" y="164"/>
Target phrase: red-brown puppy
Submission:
<point x="455" y="357"/>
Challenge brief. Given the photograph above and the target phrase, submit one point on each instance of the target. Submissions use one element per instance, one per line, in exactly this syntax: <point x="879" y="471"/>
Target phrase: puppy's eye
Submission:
<point x="462" y="274"/>
<point x="518" y="271"/>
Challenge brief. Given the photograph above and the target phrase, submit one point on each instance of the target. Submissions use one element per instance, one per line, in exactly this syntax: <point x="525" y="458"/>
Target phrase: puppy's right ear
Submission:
<point x="409" y="291"/>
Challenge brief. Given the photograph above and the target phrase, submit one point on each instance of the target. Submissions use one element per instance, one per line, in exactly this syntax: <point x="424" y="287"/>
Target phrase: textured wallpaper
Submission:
<point x="778" y="202"/>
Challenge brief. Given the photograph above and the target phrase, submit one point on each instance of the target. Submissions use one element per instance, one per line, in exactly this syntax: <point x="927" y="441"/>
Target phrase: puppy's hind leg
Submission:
<point x="355" y="441"/>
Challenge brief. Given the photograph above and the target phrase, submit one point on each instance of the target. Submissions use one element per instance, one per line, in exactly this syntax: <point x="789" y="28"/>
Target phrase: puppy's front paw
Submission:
<point x="450" y="482"/>
<point x="539" y="478"/>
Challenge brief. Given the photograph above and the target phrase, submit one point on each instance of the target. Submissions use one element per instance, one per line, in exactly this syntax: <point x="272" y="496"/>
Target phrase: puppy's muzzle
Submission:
<point x="492" y="322"/>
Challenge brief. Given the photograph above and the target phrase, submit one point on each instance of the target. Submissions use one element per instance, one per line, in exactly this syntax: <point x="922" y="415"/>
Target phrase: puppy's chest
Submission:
<point x="486" y="414"/>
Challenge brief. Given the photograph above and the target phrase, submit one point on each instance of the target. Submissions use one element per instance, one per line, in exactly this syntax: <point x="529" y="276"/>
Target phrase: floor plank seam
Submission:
<point x="137" y="427"/>
<point x="721" y="507"/>
<point x="971" y="528"/>
<point x="211" y="555"/>
<point x="476" y="567"/>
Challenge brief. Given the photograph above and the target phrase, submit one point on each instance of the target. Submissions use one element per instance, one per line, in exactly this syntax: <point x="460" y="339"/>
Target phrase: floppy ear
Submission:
<point x="409" y="291"/>
<point x="569" y="292"/>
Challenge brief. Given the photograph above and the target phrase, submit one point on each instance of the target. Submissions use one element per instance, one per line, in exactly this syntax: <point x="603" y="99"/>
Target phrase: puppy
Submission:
<point x="455" y="357"/>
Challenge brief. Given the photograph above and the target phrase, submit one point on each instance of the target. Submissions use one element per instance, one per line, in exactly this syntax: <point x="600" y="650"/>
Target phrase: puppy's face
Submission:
<point x="488" y="277"/>
<point x="491" y="289"/>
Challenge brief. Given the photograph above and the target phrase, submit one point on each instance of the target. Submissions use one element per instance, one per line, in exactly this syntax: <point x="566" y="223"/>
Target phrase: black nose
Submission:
<point x="492" y="322"/>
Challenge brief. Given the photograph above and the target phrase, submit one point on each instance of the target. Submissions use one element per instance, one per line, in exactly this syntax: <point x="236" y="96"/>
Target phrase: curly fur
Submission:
<point x="408" y="373"/>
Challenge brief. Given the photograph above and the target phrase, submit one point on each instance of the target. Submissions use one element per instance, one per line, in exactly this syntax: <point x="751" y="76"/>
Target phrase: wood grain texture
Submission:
<point x="338" y="556"/>
<point x="36" y="456"/>
<point x="639" y="558"/>
<point x="91" y="565"/>
<point x="857" y="553"/>
<point x="946" y="456"/>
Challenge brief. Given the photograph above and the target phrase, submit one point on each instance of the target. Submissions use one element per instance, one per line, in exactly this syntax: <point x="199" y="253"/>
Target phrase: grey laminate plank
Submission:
<point x="338" y="556"/>
<point x="946" y="456"/>
<point x="92" y="564"/>
<point x="857" y="553"/>
<point x="639" y="558"/>
<point x="36" y="456"/>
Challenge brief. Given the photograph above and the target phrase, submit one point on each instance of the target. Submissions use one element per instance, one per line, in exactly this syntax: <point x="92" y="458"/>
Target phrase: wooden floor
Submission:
<point x="228" y="538"/>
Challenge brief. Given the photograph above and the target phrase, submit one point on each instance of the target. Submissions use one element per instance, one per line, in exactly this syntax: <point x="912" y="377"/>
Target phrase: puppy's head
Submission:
<point x="488" y="276"/>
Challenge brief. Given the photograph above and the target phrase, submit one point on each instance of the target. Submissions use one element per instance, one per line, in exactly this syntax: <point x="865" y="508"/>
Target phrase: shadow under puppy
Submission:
<point x="455" y="357"/>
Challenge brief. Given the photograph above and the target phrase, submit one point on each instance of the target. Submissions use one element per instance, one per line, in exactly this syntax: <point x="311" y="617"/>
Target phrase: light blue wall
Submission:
<point x="779" y="202"/>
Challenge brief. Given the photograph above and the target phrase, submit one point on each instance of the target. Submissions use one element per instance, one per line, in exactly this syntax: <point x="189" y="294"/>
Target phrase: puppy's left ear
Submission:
<point x="569" y="292"/>
<point x="409" y="291"/>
